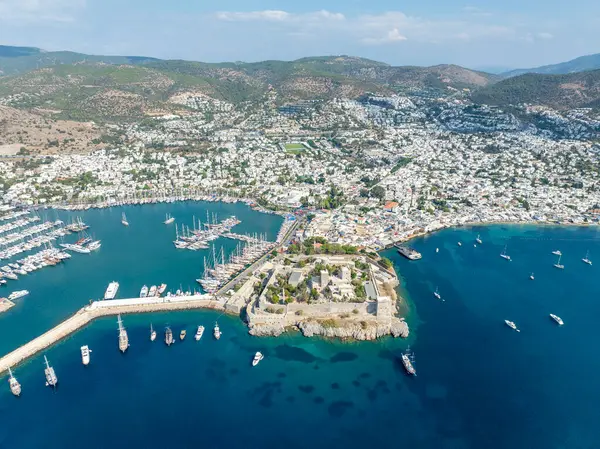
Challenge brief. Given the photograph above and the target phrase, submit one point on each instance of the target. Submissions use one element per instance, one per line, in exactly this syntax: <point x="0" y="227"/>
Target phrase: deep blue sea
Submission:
<point x="479" y="384"/>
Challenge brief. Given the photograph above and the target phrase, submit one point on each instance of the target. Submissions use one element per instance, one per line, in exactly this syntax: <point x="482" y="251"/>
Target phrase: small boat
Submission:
<point x="408" y="366"/>
<point x="124" y="220"/>
<point x="169" y="336"/>
<point x="558" y="264"/>
<point x="152" y="291"/>
<point x="531" y="276"/>
<point x="152" y="333"/>
<point x="557" y="252"/>
<point x="161" y="289"/>
<point x="478" y="239"/>
<point x="85" y="355"/>
<point x="169" y="219"/>
<point x="182" y="334"/>
<point x="586" y="259"/>
<point x="51" y="379"/>
<point x="437" y="250"/>
<point x="15" y="386"/>
<point x="504" y="255"/>
<point x="459" y="243"/>
<point x="512" y="325"/>
<point x="257" y="358"/>
<point x="436" y="293"/>
<point x="558" y="319"/>
<point x="144" y="291"/>
<point x="199" y="333"/>
<point x="123" y="337"/>
<point x="217" y="331"/>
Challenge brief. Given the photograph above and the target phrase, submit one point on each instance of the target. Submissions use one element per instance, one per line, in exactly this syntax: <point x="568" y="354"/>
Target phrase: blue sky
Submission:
<point x="473" y="33"/>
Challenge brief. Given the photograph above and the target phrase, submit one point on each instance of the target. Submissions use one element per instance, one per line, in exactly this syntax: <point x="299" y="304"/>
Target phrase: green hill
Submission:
<point x="583" y="63"/>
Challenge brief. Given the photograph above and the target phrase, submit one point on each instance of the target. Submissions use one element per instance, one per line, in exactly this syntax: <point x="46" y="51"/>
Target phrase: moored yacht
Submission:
<point x="18" y="294"/>
<point x="168" y="336"/>
<point x="217" y="331"/>
<point x="111" y="290"/>
<point x="558" y="319"/>
<point x="15" y="386"/>
<point x="531" y="276"/>
<point x="124" y="220"/>
<point x="586" y="259"/>
<point x="85" y="355"/>
<point x="199" y="333"/>
<point x="51" y="379"/>
<point x="123" y="338"/>
<point x="478" y="239"/>
<point x="408" y="366"/>
<point x="169" y="219"/>
<point x="257" y="358"/>
<point x="182" y="334"/>
<point x="504" y="255"/>
<point x="152" y="333"/>
<point x="557" y="252"/>
<point x="152" y="291"/>
<point x="161" y="289"/>
<point x="144" y="291"/>
<point x="512" y="325"/>
<point x="558" y="264"/>
<point x="436" y="293"/>
<point x="459" y="243"/>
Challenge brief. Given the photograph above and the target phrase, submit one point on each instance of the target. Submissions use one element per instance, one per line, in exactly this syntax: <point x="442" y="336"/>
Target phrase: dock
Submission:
<point x="5" y="304"/>
<point x="99" y="309"/>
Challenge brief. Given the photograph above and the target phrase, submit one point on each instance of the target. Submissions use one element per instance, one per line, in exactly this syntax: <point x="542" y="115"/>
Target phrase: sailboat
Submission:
<point x="558" y="265"/>
<point x="51" y="379"/>
<point x="124" y="220"/>
<point x="504" y="255"/>
<point x="586" y="259"/>
<point x="169" y="219"/>
<point x="478" y="239"/>
<point x="123" y="338"/>
<point x="152" y="333"/>
<point x="436" y="293"/>
<point x="15" y="386"/>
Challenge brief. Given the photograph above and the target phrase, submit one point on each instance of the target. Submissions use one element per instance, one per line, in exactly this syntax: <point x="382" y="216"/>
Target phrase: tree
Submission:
<point x="378" y="192"/>
<point x="387" y="263"/>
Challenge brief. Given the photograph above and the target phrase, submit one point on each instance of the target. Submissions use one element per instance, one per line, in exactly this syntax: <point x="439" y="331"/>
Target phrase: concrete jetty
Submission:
<point x="106" y="308"/>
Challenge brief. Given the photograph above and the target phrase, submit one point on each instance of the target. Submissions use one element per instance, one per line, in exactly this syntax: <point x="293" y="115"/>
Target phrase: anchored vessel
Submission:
<point x="15" y="386"/>
<point x="217" y="331"/>
<point x="557" y="252"/>
<point x="124" y="220"/>
<point x="478" y="239"/>
<point x="111" y="290"/>
<point x="558" y="264"/>
<point x="123" y="338"/>
<point x="512" y="325"/>
<point x="169" y="219"/>
<point x="85" y="355"/>
<point x="436" y="293"/>
<point x="558" y="319"/>
<point x="408" y="252"/>
<point x="18" y="294"/>
<point x="152" y="333"/>
<point x="182" y="334"/>
<point x="51" y="379"/>
<point x="144" y="291"/>
<point x="504" y="255"/>
<point x="531" y="276"/>
<point x="586" y="259"/>
<point x="408" y="366"/>
<point x="168" y="336"/>
<point x="199" y="333"/>
<point x="257" y="358"/>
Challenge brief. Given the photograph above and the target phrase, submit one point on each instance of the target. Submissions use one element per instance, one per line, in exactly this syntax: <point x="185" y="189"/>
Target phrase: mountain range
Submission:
<point x="583" y="63"/>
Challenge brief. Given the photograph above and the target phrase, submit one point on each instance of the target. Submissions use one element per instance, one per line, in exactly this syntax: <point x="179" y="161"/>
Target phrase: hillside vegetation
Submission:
<point x="583" y="63"/>
<point x="574" y="90"/>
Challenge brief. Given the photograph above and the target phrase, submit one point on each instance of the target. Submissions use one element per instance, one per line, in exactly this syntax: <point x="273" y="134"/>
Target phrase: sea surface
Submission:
<point x="479" y="384"/>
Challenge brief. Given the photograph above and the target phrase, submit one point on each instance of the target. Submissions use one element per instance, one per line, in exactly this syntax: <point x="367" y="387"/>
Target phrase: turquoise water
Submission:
<point x="479" y="384"/>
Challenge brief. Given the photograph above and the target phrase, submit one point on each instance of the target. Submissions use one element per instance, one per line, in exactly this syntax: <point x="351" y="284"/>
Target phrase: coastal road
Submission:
<point x="284" y="242"/>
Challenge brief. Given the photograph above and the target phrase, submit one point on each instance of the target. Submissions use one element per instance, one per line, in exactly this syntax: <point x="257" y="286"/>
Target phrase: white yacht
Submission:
<point x="15" y="386"/>
<point x="437" y="250"/>
<point x="161" y="289"/>
<point x="144" y="291"/>
<point x="512" y="325"/>
<point x="478" y="239"/>
<point x="408" y="365"/>
<point x="111" y="290"/>
<point x="558" y="264"/>
<point x="18" y="294"/>
<point x="152" y="333"/>
<point x="123" y="337"/>
<point x="169" y="219"/>
<point x="459" y="243"/>
<point x="217" y="331"/>
<point x="557" y="252"/>
<point x="124" y="220"/>
<point x="436" y="293"/>
<point x="257" y="358"/>
<point x="168" y="336"/>
<point x="152" y="291"/>
<point x="504" y="255"/>
<point x="51" y="379"/>
<point x="531" y="276"/>
<point x="199" y="333"/>
<point x="94" y="245"/>
<point x="586" y="259"/>
<point x="85" y="354"/>
<point x="558" y="319"/>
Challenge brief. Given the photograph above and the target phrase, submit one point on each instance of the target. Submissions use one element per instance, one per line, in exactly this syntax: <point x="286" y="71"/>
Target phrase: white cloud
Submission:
<point x="545" y="36"/>
<point x="40" y="10"/>
<point x="267" y="15"/>
<point x="391" y="37"/>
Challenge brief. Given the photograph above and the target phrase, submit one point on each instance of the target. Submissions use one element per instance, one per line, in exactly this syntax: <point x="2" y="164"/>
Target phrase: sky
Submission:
<point x="472" y="33"/>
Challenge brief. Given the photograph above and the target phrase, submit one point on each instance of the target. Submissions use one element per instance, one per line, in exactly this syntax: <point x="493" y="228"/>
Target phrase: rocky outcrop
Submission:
<point x="265" y="330"/>
<point x="354" y="330"/>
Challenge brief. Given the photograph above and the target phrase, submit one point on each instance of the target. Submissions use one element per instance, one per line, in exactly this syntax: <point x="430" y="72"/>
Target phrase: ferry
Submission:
<point x="161" y="289"/>
<point x="182" y="334"/>
<point x="169" y="219"/>
<point x="15" y="386"/>
<point x="558" y="264"/>
<point x="152" y="291"/>
<point x="152" y="333"/>
<point x="111" y="290"/>
<point x="144" y="291"/>
<point x="512" y="325"/>
<point x="168" y="336"/>
<point x="558" y="319"/>
<point x="217" y="331"/>
<point x="85" y="355"/>
<point x="123" y="338"/>
<point x="408" y="366"/>
<point x="199" y="333"/>
<point x="257" y="358"/>
<point x="478" y="239"/>
<point x="586" y="259"/>
<point x="436" y="293"/>
<point x="18" y="294"/>
<point x="51" y="379"/>
<point x="407" y="252"/>
<point x="557" y="252"/>
<point x="504" y="255"/>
